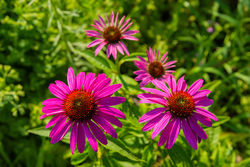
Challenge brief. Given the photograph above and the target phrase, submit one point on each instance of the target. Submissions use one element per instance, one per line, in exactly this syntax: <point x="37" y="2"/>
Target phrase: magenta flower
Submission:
<point x="181" y="108"/>
<point x="153" y="69"/>
<point x="84" y="106"/>
<point x="111" y="33"/>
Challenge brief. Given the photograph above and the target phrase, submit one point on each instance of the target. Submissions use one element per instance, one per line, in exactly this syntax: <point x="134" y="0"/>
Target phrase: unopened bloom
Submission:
<point x="111" y="33"/>
<point x="155" y="68"/>
<point x="84" y="106"/>
<point x="181" y="109"/>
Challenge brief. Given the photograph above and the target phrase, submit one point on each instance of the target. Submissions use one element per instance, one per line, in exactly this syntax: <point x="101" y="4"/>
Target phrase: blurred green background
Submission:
<point x="39" y="40"/>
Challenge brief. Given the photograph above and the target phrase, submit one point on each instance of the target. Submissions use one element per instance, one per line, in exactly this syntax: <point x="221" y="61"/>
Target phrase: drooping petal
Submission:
<point x="60" y="133"/>
<point x="197" y="128"/>
<point x="161" y="125"/>
<point x="80" y="137"/>
<point x="151" y="124"/>
<point x="110" y="119"/>
<point x="60" y="123"/>
<point x="95" y="42"/>
<point x="97" y="50"/>
<point x="97" y="132"/>
<point x="189" y="134"/>
<point x="105" y="125"/>
<point x="112" y="111"/>
<point x="90" y="137"/>
<point x="152" y="114"/>
<point x="206" y="113"/>
<point x="73" y="137"/>
<point x="174" y="132"/>
<point x="54" y="120"/>
<point x="204" y="120"/>
<point x="204" y="102"/>
<point x="165" y="134"/>
<point x="124" y="47"/>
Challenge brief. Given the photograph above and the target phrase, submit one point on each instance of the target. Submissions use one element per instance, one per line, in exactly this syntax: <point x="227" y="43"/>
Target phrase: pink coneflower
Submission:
<point x="84" y="106"/>
<point x="153" y="69"/>
<point x="111" y="33"/>
<point x="180" y="109"/>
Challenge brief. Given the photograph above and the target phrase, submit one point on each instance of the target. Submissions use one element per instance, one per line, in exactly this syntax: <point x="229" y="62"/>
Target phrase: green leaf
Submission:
<point x="98" y="61"/>
<point x="212" y="85"/>
<point x="118" y="146"/>
<point x="131" y="57"/>
<point x="45" y="132"/>
<point x="78" y="158"/>
<point x="222" y="120"/>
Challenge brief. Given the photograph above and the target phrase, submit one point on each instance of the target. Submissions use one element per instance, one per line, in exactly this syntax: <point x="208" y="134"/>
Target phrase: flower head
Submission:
<point x="181" y="108"/>
<point x="153" y="69"/>
<point x="111" y="33"/>
<point x="84" y="106"/>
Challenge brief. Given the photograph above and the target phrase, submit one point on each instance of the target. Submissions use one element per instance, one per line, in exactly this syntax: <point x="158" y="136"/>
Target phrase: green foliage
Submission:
<point x="39" y="40"/>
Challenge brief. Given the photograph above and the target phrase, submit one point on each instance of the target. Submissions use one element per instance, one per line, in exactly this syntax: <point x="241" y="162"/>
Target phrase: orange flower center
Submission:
<point x="79" y="105"/>
<point x="181" y="104"/>
<point x="156" y="69"/>
<point x="112" y="34"/>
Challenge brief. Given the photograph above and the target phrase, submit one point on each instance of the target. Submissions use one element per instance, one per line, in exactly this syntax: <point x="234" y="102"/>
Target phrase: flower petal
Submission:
<point x="161" y="85"/>
<point x="111" y="101"/>
<point x="71" y="79"/>
<point x="54" y="120"/>
<point x="80" y="137"/>
<point x="189" y="134"/>
<point x="181" y="84"/>
<point x="95" y="42"/>
<point x="97" y="132"/>
<point x="73" y="137"/>
<point x="105" y="125"/>
<point x="64" y="88"/>
<point x="206" y="113"/>
<point x="174" y="132"/>
<point x="52" y="101"/>
<point x="197" y="128"/>
<point x="90" y="137"/>
<point x="155" y="91"/>
<point x="204" y="120"/>
<point x="195" y="87"/>
<point x="111" y="111"/>
<point x="60" y="133"/>
<point x="151" y="114"/>
<point x="99" y="47"/>
<point x="161" y="125"/>
<point x="204" y="102"/>
<point x="172" y="83"/>
<point x="151" y="124"/>
<point x="201" y="94"/>
<point x="56" y="91"/>
<point x="80" y="80"/>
